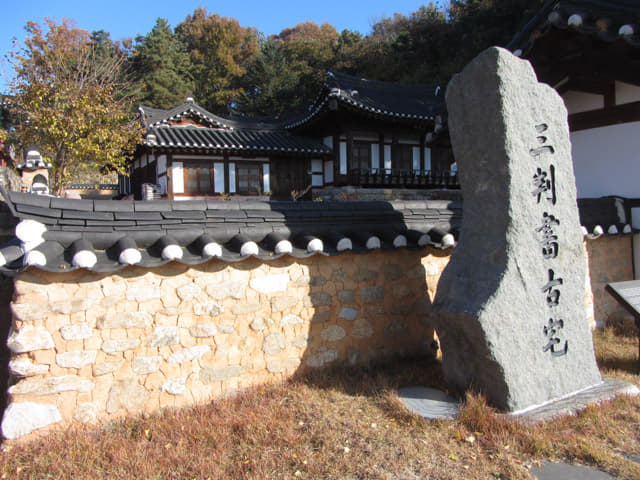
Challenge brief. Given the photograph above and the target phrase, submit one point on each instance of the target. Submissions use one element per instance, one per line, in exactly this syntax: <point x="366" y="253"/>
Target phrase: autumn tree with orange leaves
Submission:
<point x="70" y="102"/>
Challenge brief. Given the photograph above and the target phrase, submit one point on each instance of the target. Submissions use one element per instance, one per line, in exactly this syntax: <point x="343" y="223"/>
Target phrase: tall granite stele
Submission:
<point x="510" y="306"/>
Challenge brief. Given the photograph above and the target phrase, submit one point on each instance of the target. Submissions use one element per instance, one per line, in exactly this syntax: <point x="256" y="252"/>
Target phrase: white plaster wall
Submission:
<point x="582" y="102"/>
<point x="607" y="161"/>
<point x="626" y="93"/>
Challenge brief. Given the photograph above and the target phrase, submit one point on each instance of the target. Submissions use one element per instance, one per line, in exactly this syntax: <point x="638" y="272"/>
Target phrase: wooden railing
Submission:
<point x="394" y="177"/>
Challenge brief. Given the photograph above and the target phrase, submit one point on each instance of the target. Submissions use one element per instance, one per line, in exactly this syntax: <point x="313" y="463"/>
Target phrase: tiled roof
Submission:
<point x="605" y="216"/>
<point x="105" y="235"/>
<point x="391" y="100"/>
<point x="609" y="20"/>
<point x="62" y="235"/>
<point x="240" y="140"/>
<point x="152" y="117"/>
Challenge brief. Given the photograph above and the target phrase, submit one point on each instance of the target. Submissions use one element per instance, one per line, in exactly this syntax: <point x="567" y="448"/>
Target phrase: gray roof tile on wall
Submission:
<point x="145" y="223"/>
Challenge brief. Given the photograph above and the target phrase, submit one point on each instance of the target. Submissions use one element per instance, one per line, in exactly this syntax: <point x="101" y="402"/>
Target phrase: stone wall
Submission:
<point x="91" y="347"/>
<point x="610" y="260"/>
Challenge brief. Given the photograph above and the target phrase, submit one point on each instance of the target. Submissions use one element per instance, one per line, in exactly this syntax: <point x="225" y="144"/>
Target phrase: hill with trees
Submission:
<point x="76" y="92"/>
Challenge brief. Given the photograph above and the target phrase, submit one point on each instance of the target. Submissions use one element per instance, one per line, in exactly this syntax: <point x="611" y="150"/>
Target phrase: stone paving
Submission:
<point x="435" y="404"/>
<point x="429" y="402"/>
<point x="607" y="390"/>
<point x="564" y="471"/>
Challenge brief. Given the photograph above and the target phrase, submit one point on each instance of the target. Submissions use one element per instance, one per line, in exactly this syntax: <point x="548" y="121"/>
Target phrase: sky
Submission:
<point x="124" y="19"/>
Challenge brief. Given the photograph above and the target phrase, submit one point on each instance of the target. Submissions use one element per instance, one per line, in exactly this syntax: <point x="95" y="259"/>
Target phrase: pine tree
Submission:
<point x="161" y="68"/>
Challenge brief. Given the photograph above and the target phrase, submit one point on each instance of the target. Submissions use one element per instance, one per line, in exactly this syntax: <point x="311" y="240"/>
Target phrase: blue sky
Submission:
<point x="129" y="18"/>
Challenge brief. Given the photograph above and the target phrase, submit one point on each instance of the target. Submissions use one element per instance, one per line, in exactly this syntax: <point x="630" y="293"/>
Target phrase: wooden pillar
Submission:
<point x="349" y="152"/>
<point x="336" y="159"/>
<point x="170" y="176"/>
<point x="225" y="159"/>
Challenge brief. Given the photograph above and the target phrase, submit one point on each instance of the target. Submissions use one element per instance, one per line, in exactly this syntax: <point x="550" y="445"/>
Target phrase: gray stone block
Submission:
<point x="188" y="354"/>
<point x="510" y="303"/>
<point x="79" y="331"/>
<point x="23" y="367"/>
<point x="347" y="296"/>
<point x="281" y="303"/>
<point x="348" y="313"/>
<point x="227" y="289"/>
<point x="106" y="367"/>
<point x="146" y="365"/>
<point x="163" y="336"/>
<point x="362" y="328"/>
<point x="126" y="395"/>
<point x="52" y="385"/>
<point x="321" y="317"/>
<point x="279" y="365"/>
<point x="260" y="324"/>
<point x="273" y="343"/>
<point x="372" y="294"/>
<point x="125" y="320"/>
<point x="203" y="331"/>
<point x="391" y="271"/>
<point x="209" y="308"/>
<point x="217" y="374"/>
<point x="323" y="357"/>
<point x="29" y="339"/>
<point x="365" y="275"/>
<point x="112" y="347"/>
<point x="23" y="418"/>
<point x="318" y="299"/>
<point x="290" y="320"/>
<point x="76" y="359"/>
<point x="333" y="333"/>
<point x="176" y="386"/>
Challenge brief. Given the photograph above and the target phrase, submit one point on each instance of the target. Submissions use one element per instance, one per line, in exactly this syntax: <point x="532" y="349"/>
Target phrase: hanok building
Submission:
<point x="588" y="50"/>
<point x="358" y="132"/>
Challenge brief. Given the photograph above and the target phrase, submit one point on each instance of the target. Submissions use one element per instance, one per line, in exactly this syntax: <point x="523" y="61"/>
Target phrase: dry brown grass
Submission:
<point x="342" y="424"/>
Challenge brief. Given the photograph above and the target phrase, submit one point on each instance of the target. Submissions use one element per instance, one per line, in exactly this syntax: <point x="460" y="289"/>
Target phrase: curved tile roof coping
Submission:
<point x="64" y="234"/>
<point x="609" y="20"/>
<point x="201" y="138"/>
<point x="385" y="99"/>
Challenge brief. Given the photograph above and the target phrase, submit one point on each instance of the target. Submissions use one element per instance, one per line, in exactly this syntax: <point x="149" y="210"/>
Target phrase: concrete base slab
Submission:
<point x="571" y="404"/>
<point x="565" y="471"/>
<point x="429" y="402"/>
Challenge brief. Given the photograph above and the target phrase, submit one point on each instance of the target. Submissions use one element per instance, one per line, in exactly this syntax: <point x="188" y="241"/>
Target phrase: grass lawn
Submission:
<point x="343" y="424"/>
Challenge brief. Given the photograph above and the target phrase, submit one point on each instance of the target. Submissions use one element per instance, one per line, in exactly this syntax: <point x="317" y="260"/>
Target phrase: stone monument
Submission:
<point x="510" y="306"/>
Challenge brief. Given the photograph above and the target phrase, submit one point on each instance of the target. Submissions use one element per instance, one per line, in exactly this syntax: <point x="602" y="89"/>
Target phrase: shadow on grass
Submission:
<point x="626" y="365"/>
<point x="376" y="378"/>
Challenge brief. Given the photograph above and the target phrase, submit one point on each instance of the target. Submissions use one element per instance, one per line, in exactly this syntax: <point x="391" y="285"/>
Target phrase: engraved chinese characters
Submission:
<point x="509" y="309"/>
<point x="544" y="181"/>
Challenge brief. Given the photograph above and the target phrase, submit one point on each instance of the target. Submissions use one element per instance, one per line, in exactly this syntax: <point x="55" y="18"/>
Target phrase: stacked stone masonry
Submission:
<point x="90" y="347"/>
<point x="610" y="260"/>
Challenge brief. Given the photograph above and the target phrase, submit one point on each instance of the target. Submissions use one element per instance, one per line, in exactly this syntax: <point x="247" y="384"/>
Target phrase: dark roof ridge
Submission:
<point x="237" y="139"/>
<point x="388" y="100"/>
<point x="159" y="116"/>
<point x="382" y="83"/>
<point x="583" y="16"/>
<point x="156" y="117"/>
